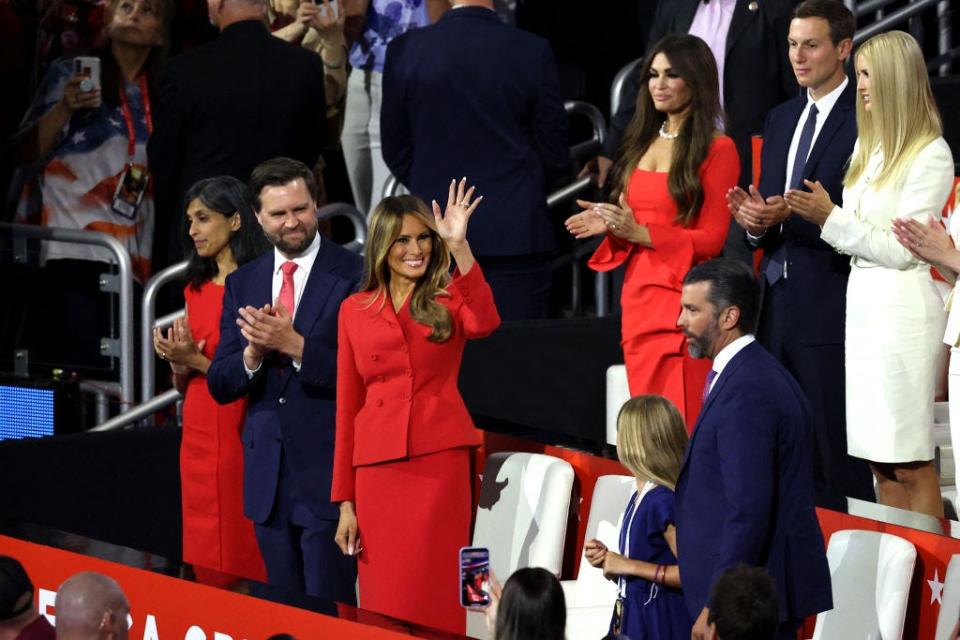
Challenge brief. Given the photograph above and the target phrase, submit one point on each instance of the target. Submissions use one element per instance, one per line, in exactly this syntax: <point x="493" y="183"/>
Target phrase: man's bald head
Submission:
<point x="91" y="606"/>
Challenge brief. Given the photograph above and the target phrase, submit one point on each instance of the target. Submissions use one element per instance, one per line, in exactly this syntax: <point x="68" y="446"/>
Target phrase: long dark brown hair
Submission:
<point x="692" y="60"/>
<point x="385" y="224"/>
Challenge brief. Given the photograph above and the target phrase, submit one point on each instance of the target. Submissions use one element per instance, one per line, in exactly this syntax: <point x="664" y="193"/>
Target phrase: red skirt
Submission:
<point x="414" y="515"/>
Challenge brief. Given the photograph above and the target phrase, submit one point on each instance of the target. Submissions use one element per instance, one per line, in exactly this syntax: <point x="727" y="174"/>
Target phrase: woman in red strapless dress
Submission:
<point x="673" y="171"/>
<point x="221" y="233"/>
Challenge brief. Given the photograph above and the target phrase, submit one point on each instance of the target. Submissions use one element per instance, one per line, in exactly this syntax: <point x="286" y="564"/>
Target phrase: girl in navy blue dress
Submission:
<point x="651" y="438"/>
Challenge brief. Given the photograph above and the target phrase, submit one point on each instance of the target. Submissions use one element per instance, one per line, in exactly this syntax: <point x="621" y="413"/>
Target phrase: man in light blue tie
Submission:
<point x="802" y="320"/>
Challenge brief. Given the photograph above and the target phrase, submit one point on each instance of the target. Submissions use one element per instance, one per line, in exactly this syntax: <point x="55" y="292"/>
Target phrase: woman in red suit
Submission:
<point x="674" y="171"/>
<point x="220" y="233"/>
<point x="405" y="440"/>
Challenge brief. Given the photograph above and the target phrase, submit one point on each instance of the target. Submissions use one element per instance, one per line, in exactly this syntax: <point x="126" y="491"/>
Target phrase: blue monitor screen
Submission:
<point x="25" y="412"/>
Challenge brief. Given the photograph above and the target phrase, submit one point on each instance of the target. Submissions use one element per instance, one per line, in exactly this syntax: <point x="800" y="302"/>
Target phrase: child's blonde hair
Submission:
<point x="651" y="439"/>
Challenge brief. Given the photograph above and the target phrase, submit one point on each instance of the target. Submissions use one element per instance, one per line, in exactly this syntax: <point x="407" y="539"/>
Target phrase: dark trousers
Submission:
<point x="299" y="551"/>
<point x="520" y="285"/>
<point x="819" y="369"/>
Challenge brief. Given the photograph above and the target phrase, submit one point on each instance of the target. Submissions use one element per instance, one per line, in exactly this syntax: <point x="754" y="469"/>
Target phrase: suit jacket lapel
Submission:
<point x="315" y="294"/>
<point x="684" y="16"/>
<point x="263" y="281"/>
<point x="830" y="128"/>
<point x="742" y="17"/>
<point x="717" y="390"/>
<point x="785" y="137"/>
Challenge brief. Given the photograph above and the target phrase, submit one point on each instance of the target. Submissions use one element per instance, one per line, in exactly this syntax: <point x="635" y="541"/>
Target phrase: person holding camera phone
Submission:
<point x="82" y="147"/>
<point x="405" y="440"/>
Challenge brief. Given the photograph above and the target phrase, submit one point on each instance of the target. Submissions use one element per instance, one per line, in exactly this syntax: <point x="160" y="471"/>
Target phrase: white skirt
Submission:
<point x="894" y="332"/>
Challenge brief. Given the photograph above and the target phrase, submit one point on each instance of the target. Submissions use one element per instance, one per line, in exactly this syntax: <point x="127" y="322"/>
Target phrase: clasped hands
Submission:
<point x="269" y="328"/>
<point x="756" y="214"/>
<point x="599" y="556"/>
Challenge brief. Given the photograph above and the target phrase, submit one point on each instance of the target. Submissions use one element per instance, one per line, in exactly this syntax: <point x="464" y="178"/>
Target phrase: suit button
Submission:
<point x="379" y="402"/>
<point x="406" y="397"/>
<point x="404" y="348"/>
<point x="468" y="299"/>
<point x="282" y="401"/>
<point x="409" y="373"/>
<point x="381" y="378"/>
<point x="374" y="357"/>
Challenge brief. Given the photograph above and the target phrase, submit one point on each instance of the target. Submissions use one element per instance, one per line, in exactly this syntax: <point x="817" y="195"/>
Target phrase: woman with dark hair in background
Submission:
<point x="405" y="440"/>
<point x="83" y="154"/>
<point x="220" y="233"/>
<point x="672" y="175"/>
<point x="531" y="607"/>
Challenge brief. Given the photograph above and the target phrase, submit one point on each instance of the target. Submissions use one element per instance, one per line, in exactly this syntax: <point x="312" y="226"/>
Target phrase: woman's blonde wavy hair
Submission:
<point x="903" y="117"/>
<point x="651" y="439"/>
<point x="385" y="225"/>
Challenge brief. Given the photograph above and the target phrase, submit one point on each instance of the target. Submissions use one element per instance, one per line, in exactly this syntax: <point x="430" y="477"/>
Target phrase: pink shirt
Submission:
<point x="711" y="24"/>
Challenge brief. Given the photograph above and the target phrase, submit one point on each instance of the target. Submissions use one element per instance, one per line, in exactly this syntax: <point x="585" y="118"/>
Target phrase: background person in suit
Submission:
<point x="472" y="82"/>
<point x="278" y="347"/>
<point x="745" y="493"/>
<point x="805" y="281"/>
<point x="749" y="43"/>
<point x="229" y="105"/>
<point x="405" y="440"/>
<point x="901" y="168"/>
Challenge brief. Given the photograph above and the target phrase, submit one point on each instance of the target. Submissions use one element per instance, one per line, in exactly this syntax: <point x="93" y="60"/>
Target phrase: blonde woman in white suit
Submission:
<point x="901" y="168"/>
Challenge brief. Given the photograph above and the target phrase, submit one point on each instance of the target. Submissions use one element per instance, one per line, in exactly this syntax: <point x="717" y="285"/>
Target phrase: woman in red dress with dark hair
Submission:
<point x="674" y="171"/>
<point x="220" y="234"/>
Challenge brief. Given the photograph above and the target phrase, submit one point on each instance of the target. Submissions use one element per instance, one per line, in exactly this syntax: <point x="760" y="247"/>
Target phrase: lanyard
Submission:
<point x="626" y="527"/>
<point x="128" y="114"/>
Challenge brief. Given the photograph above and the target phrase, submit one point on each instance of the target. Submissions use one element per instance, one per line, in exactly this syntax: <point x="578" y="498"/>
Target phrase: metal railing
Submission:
<point x="619" y="81"/>
<point x="149" y="322"/>
<point x="356" y="218"/>
<point x="141" y="411"/>
<point x="884" y="21"/>
<point x="121" y="284"/>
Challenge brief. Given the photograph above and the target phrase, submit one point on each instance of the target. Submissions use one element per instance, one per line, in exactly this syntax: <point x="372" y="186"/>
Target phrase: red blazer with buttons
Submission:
<point x="397" y="394"/>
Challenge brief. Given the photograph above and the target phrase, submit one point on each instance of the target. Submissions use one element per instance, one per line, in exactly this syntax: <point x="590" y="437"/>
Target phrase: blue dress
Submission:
<point x="651" y="611"/>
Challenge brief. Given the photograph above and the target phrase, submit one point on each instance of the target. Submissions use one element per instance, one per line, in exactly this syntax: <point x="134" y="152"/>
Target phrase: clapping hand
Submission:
<point x="814" y="205"/>
<point x="178" y="347"/>
<point x="269" y="329"/>
<point x="927" y="242"/>
<point x="587" y="223"/>
<point x="452" y="223"/>
<point x="755" y="214"/>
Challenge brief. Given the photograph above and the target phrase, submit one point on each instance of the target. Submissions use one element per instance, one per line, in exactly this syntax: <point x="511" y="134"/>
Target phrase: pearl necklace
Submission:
<point x="665" y="135"/>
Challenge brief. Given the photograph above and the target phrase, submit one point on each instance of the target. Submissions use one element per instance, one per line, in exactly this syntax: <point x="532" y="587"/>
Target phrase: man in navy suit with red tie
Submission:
<point x="278" y="347"/>
<point x="745" y="492"/>
<point x="804" y="303"/>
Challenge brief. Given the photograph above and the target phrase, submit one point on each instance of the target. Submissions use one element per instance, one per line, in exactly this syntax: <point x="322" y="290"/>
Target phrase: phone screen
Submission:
<point x="474" y="577"/>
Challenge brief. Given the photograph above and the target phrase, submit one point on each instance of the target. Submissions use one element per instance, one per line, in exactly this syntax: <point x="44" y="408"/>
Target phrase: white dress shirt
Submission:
<point x="722" y="359"/>
<point x="304" y="265"/>
<point x="824" y="107"/>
